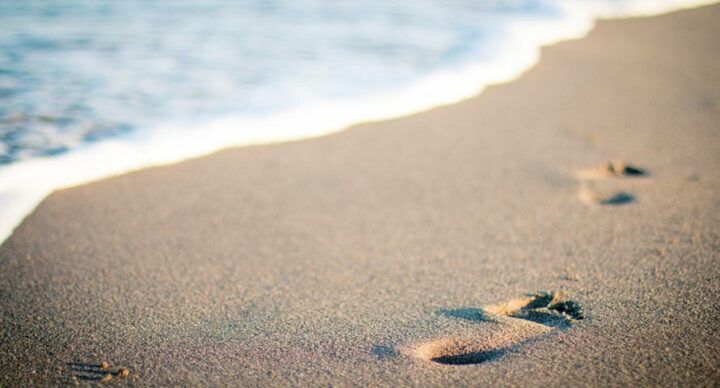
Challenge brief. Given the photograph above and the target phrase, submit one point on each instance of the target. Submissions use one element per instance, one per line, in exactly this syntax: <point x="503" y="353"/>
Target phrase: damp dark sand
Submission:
<point x="370" y="257"/>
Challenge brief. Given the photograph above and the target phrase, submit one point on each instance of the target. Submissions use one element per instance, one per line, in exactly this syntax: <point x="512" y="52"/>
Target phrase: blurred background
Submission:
<point x="74" y="72"/>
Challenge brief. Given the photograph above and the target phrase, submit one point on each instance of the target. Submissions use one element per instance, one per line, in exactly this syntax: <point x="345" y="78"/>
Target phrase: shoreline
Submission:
<point x="25" y="184"/>
<point x="379" y="254"/>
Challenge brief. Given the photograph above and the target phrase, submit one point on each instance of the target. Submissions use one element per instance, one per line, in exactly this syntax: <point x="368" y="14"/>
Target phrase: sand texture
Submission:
<point x="561" y="229"/>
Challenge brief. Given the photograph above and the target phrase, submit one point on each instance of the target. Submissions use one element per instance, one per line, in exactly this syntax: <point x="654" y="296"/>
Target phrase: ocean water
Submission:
<point x="90" y="89"/>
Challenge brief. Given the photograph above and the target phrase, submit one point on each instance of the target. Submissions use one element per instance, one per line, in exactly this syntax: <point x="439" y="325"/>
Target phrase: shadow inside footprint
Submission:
<point x="619" y="168"/>
<point x="618" y="199"/>
<point x="550" y="309"/>
<point x="569" y="308"/>
<point x="468" y="313"/>
<point x="546" y="318"/>
<point x="633" y="171"/>
<point x="468" y="358"/>
<point x="88" y="372"/>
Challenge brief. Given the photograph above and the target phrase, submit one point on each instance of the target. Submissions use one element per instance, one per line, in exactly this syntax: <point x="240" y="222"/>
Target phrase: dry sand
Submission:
<point x="358" y="258"/>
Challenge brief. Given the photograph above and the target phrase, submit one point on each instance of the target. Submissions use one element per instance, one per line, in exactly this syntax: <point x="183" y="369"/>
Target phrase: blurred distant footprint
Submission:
<point x="520" y="320"/>
<point x="602" y="185"/>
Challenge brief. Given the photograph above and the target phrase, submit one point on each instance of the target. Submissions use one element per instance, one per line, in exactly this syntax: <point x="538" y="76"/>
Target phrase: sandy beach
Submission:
<point x="560" y="229"/>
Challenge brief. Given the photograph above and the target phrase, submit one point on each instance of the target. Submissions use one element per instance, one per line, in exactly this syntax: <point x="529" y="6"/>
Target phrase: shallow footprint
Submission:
<point x="520" y="321"/>
<point x="590" y="194"/>
<point x="593" y="192"/>
<point x="612" y="169"/>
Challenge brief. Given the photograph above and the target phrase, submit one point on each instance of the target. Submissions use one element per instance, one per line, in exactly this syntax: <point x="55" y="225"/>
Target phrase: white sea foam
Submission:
<point x="25" y="183"/>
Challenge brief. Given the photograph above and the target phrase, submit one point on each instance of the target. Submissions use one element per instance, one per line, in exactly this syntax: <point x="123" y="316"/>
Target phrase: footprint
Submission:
<point x="552" y="309"/>
<point x="602" y="185"/>
<point x="612" y="169"/>
<point x="77" y="372"/>
<point x="520" y="320"/>
<point x="591" y="194"/>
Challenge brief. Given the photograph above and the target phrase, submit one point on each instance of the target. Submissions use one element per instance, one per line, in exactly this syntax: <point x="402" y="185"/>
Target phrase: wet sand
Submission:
<point x="403" y="252"/>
